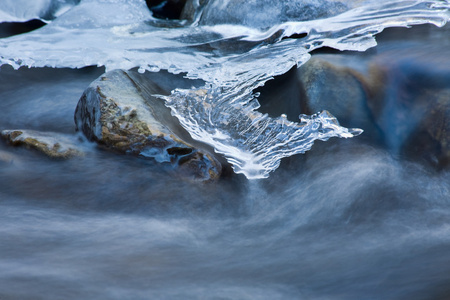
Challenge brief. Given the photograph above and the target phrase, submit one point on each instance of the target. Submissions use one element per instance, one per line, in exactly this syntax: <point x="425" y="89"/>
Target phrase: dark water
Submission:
<point x="349" y="220"/>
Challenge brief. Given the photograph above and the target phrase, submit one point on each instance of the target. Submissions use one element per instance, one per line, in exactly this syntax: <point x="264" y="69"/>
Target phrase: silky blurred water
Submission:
<point x="348" y="220"/>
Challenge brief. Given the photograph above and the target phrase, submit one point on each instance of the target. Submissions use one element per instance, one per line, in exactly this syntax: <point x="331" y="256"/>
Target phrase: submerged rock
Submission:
<point x="399" y="97"/>
<point x="55" y="145"/>
<point x="410" y="101"/>
<point x="329" y="84"/>
<point x="437" y="124"/>
<point x="119" y="112"/>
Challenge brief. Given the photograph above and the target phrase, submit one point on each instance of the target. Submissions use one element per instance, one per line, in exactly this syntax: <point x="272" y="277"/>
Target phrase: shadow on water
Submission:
<point x="347" y="220"/>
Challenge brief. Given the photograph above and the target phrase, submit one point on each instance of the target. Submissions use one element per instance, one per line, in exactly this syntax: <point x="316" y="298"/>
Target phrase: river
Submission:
<point x="350" y="219"/>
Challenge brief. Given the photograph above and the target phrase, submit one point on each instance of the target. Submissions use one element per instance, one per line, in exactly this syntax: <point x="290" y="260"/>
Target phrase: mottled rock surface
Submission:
<point x="55" y="145"/>
<point x="119" y="112"/>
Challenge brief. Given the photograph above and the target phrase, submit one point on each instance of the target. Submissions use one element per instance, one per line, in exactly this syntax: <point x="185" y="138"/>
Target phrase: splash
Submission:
<point x="234" y="50"/>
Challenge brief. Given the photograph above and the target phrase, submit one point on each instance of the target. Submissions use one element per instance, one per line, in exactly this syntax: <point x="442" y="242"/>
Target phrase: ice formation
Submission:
<point x="25" y="10"/>
<point x="234" y="46"/>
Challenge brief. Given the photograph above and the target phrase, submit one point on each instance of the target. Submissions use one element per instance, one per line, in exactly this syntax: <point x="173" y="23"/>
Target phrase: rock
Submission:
<point x="119" y="112"/>
<point x="437" y="124"/>
<point x="400" y="96"/>
<point x="410" y="102"/>
<point x="328" y="84"/>
<point x="55" y="145"/>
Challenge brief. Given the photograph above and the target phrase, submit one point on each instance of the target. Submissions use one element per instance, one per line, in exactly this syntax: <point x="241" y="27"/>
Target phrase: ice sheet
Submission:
<point x="25" y="10"/>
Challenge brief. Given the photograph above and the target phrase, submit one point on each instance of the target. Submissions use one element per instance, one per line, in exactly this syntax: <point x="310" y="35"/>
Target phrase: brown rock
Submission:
<point x="119" y="112"/>
<point x="55" y="145"/>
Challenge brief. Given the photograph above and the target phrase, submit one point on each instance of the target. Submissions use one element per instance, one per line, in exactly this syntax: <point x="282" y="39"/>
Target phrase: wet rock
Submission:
<point x="400" y="96"/>
<point x="119" y="112"/>
<point x="437" y="125"/>
<point x="55" y="145"/>
<point x="410" y="101"/>
<point x="329" y="84"/>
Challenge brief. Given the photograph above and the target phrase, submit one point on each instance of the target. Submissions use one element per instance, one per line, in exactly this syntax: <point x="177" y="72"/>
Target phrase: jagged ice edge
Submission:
<point x="252" y="142"/>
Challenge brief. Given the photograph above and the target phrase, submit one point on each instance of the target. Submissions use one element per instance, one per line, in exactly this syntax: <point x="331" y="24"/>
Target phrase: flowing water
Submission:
<point x="347" y="220"/>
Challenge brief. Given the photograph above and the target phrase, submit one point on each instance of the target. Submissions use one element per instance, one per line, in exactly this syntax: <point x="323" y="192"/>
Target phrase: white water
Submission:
<point x="233" y="56"/>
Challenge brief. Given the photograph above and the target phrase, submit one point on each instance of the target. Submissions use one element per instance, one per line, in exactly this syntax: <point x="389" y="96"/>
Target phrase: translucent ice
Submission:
<point x="235" y="46"/>
<point x="253" y="143"/>
<point x="24" y="10"/>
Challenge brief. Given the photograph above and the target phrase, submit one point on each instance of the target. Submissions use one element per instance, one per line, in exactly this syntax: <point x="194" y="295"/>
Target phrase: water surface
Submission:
<point x="351" y="219"/>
